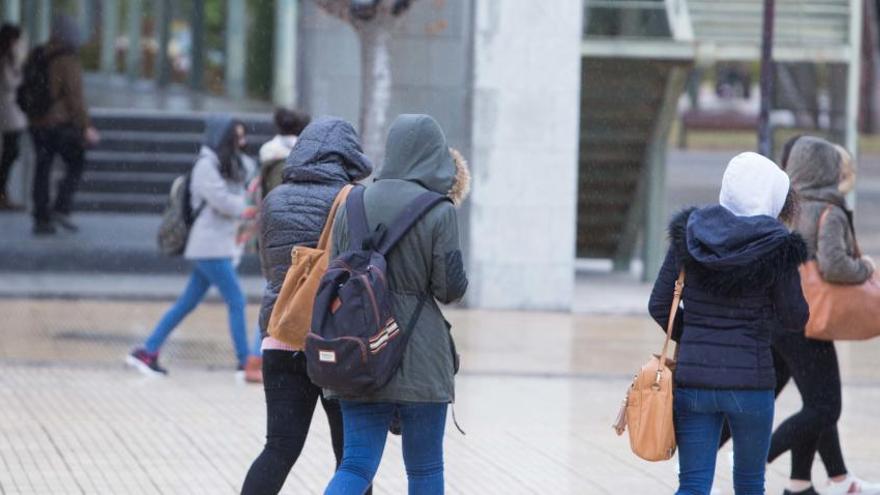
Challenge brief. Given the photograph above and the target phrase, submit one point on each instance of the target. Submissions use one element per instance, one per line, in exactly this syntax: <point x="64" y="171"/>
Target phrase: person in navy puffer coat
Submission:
<point x="742" y="287"/>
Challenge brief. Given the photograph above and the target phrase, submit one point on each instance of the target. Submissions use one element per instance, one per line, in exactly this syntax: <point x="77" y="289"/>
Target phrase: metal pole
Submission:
<point x="284" y="81"/>
<point x="765" y="146"/>
<point x="12" y="11"/>
<point x="43" y="20"/>
<point x="133" y="57"/>
<point x="109" y="30"/>
<point x="197" y="25"/>
<point x="236" y="39"/>
<point x="853" y="78"/>
<point x="163" y="64"/>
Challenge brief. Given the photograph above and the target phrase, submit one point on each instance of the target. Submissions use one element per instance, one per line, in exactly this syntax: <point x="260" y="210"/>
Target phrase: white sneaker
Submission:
<point x="851" y="484"/>
<point x="239" y="377"/>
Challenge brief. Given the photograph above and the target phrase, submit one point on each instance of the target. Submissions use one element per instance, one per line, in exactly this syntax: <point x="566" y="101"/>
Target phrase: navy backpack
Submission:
<point x="355" y="344"/>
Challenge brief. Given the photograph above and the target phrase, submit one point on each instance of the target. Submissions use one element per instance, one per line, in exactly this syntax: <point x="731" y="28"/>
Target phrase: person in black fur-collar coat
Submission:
<point x="742" y="287"/>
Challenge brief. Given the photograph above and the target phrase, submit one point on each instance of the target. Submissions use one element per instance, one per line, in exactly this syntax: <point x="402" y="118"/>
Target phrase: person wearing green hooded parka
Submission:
<point x="425" y="268"/>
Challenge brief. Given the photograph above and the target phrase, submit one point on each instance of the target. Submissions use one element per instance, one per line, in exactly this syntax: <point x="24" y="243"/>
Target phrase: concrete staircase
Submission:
<point x="620" y="104"/>
<point x="140" y="155"/>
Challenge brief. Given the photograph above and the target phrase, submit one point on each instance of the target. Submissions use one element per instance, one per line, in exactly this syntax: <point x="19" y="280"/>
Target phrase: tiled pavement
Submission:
<point x="536" y="397"/>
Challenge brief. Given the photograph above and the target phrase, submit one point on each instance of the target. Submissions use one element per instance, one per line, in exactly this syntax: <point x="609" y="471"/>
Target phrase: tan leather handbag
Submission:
<point x="647" y="408"/>
<point x="291" y="317"/>
<point x="839" y="311"/>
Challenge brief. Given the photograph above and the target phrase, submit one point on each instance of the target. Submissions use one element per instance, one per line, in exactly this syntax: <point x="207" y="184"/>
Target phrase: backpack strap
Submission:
<point x="327" y="232"/>
<point x="405" y="221"/>
<point x="356" y="215"/>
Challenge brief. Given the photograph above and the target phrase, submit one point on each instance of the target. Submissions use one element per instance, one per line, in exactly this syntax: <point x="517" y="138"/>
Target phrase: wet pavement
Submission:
<point x="537" y="395"/>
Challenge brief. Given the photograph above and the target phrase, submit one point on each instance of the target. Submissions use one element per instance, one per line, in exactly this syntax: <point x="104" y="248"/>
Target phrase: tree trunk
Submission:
<point x="375" y="38"/>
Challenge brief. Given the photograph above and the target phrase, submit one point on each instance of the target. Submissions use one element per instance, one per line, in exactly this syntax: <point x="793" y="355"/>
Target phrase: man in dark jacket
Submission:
<point x="326" y="157"/>
<point x="64" y="130"/>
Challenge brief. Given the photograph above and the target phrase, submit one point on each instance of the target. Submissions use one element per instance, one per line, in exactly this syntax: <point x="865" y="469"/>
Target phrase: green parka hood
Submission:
<point x="416" y="151"/>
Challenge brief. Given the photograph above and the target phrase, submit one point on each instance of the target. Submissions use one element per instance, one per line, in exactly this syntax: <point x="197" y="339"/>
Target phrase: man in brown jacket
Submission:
<point x="64" y="130"/>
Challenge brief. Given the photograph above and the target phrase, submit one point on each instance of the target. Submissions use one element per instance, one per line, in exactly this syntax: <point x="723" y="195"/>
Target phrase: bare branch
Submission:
<point x="336" y="8"/>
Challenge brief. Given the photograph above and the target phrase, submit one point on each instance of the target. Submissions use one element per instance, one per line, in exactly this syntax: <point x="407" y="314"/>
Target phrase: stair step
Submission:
<point x="128" y="182"/>
<point x="120" y="202"/>
<point x="139" y="162"/>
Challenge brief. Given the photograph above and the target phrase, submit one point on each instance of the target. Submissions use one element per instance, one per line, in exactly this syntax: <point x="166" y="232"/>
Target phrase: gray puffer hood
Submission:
<point x="328" y="150"/>
<point x="814" y="166"/>
<point x="416" y="151"/>
<point x="218" y="129"/>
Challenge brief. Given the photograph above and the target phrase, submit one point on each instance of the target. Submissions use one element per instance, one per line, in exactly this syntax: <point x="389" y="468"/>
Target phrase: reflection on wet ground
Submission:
<point x="537" y="395"/>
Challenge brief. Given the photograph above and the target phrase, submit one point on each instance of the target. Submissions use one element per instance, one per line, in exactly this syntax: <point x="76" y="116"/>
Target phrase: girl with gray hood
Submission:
<point x="327" y="156"/>
<point x="823" y="174"/>
<point x="217" y="201"/>
<point x="424" y="267"/>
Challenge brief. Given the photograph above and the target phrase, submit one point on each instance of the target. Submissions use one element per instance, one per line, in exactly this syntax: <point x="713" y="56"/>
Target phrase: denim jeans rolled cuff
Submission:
<point x="221" y="274"/>
<point x="366" y="430"/>
<point x="699" y="415"/>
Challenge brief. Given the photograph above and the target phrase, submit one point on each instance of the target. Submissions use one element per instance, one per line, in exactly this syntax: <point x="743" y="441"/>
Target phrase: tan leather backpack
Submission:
<point x="291" y="317"/>
<point x="647" y="408"/>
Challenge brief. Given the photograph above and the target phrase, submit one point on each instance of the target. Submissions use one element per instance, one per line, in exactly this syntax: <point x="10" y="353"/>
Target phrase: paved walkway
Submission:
<point x="537" y="394"/>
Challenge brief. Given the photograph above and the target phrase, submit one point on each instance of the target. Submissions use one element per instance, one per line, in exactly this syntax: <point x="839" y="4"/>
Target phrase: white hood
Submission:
<point x="753" y="185"/>
<point x="277" y="149"/>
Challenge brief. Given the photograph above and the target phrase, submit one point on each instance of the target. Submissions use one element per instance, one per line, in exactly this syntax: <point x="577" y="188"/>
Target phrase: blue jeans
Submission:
<point x="699" y="415"/>
<point x="365" y="428"/>
<point x="257" y="345"/>
<point x="218" y="272"/>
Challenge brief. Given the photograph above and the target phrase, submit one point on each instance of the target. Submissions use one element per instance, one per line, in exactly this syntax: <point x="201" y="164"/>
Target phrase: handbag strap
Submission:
<point x="673" y="311"/>
<point x="327" y="232"/>
<point x="857" y="251"/>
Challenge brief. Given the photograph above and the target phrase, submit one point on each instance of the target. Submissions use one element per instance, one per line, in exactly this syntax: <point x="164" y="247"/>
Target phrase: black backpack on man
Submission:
<point x="34" y="96"/>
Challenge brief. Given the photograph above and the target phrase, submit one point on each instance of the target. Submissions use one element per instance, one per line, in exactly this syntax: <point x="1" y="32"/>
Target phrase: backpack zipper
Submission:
<point x="369" y="288"/>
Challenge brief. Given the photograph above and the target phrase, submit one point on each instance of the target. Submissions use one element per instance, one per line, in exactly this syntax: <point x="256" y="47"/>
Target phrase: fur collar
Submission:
<point x="461" y="184"/>
<point x="764" y="273"/>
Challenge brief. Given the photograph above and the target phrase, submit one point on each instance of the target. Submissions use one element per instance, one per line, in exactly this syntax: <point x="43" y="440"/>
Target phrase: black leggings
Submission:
<point x="813" y="365"/>
<point x="7" y="159"/>
<point x="290" y="403"/>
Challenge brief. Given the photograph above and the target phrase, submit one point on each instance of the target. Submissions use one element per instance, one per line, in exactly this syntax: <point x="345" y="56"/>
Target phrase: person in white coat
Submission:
<point x="218" y="201"/>
<point x="12" y="120"/>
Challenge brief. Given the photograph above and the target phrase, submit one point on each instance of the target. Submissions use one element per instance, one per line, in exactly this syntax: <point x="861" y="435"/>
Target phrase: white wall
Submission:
<point x="526" y="99"/>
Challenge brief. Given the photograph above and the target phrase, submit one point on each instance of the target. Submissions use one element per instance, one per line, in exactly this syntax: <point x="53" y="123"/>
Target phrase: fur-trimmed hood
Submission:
<point x="734" y="254"/>
<point x="461" y="183"/>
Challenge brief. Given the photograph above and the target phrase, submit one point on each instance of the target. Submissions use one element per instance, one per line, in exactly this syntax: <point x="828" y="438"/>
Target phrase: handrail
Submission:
<point x="626" y="4"/>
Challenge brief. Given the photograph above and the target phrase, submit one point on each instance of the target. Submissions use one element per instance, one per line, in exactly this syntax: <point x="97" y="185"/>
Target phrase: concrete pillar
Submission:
<point x="197" y="24"/>
<point x="109" y="31"/>
<point x="654" y="245"/>
<point x="12" y="11"/>
<point x="236" y="44"/>
<point x="163" y="29"/>
<point x="523" y="207"/>
<point x="133" y="57"/>
<point x="284" y="90"/>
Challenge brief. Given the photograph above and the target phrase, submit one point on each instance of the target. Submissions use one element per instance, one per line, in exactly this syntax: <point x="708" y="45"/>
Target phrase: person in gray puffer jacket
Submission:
<point x="423" y="268"/>
<point x="327" y="156"/>
<point x="823" y="174"/>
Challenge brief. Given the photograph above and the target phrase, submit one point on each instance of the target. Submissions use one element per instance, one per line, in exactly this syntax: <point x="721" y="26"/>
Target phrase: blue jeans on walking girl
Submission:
<point x="699" y="415"/>
<point x="365" y="427"/>
<point x="208" y="272"/>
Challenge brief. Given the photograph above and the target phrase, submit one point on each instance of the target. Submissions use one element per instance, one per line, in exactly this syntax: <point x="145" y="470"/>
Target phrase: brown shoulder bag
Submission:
<point x="839" y="311"/>
<point x="647" y="408"/>
<point x="291" y="317"/>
